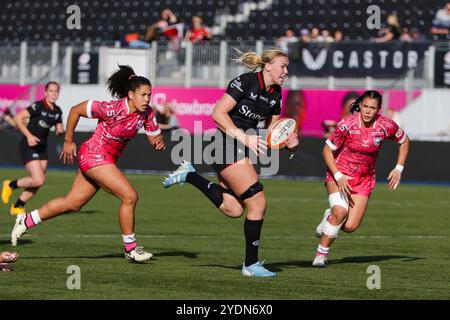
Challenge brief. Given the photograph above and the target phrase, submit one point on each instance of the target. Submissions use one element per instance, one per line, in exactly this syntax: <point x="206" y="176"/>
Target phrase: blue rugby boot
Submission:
<point x="179" y="175"/>
<point x="257" y="270"/>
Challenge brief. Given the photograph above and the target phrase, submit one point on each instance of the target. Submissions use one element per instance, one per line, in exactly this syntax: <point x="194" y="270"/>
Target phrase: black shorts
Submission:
<point x="227" y="152"/>
<point x="28" y="154"/>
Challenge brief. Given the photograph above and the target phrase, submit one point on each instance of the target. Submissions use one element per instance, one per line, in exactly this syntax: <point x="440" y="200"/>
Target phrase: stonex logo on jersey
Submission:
<point x="245" y="110"/>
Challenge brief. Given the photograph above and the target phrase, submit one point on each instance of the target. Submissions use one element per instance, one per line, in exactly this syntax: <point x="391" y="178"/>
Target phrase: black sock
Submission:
<point x="19" y="203"/>
<point x="252" y="231"/>
<point x="13" y="184"/>
<point x="212" y="190"/>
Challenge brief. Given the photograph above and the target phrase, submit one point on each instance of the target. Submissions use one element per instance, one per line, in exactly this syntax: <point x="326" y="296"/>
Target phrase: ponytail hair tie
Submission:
<point x="132" y="76"/>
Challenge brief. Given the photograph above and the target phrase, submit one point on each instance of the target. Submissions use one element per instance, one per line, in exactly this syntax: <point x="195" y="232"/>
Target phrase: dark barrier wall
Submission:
<point x="351" y="59"/>
<point x="428" y="161"/>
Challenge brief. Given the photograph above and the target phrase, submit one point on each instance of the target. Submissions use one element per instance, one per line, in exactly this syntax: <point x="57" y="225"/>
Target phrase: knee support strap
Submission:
<point x="337" y="199"/>
<point x="230" y="192"/>
<point x="252" y="190"/>
<point x="332" y="231"/>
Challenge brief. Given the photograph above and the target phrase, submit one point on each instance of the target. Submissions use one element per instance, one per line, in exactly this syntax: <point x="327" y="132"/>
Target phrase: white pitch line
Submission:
<point x="227" y="237"/>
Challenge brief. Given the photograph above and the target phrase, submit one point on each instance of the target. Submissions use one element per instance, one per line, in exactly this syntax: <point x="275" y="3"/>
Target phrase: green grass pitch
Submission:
<point x="198" y="252"/>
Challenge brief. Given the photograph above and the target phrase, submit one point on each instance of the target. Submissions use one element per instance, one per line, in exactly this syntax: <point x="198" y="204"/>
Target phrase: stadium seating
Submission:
<point x="45" y="20"/>
<point x="349" y="16"/>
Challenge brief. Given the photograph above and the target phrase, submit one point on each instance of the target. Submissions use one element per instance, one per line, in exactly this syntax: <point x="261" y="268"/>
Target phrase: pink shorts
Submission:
<point x="88" y="159"/>
<point x="362" y="185"/>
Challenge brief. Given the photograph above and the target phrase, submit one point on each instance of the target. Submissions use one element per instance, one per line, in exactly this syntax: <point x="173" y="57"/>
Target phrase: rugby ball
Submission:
<point x="279" y="132"/>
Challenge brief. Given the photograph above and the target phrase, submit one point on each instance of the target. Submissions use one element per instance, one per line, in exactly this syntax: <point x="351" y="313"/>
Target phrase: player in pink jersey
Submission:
<point x="118" y="122"/>
<point x="350" y="154"/>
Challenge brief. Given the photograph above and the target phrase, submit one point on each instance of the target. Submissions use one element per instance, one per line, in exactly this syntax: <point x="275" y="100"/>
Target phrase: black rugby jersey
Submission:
<point x="42" y="118"/>
<point x="254" y="102"/>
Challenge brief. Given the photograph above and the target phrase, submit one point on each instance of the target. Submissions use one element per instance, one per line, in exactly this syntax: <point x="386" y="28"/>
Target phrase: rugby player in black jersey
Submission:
<point x="249" y="99"/>
<point x="42" y="115"/>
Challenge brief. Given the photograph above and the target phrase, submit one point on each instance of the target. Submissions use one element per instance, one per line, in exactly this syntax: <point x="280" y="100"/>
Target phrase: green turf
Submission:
<point x="198" y="252"/>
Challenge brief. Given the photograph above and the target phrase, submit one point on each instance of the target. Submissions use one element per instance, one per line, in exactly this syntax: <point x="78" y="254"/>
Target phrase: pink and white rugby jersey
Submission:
<point x="116" y="126"/>
<point x="357" y="148"/>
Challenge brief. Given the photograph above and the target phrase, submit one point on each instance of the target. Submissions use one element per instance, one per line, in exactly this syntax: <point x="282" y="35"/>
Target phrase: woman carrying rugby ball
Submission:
<point x="249" y="99"/>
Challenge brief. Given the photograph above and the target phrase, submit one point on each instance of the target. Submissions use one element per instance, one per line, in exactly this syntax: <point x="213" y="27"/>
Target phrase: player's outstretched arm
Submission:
<point x="396" y="174"/>
<point x="69" y="148"/>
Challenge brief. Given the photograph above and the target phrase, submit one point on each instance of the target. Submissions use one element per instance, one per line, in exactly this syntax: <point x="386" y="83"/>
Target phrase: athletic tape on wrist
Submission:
<point x="399" y="168"/>
<point x="338" y="175"/>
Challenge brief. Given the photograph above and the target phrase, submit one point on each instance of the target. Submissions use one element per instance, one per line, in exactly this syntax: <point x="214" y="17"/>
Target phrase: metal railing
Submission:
<point x="209" y="64"/>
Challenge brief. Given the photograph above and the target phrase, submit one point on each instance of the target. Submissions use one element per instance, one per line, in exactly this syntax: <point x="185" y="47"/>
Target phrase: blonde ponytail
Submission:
<point x="250" y="60"/>
<point x="254" y="61"/>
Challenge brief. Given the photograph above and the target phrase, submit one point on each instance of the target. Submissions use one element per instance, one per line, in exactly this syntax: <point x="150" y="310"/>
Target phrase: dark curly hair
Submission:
<point x="124" y="80"/>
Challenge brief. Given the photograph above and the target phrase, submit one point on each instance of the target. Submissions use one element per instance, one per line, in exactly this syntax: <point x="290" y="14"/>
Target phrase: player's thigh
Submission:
<point x="112" y="180"/>
<point x="44" y="165"/>
<point x="83" y="189"/>
<point x="36" y="170"/>
<point x="356" y="213"/>
<point x="240" y="176"/>
<point x="331" y="187"/>
<point x="230" y="199"/>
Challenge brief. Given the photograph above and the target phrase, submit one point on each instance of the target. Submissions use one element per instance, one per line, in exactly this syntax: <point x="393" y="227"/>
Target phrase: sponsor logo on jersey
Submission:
<point x="245" y="110"/>
<point x="43" y="124"/>
<point x="236" y="84"/>
<point x="44" y="114"/>
<point x="273" y="102"/>
<point x="399" y="133"/>
<point x="354" y="131"/>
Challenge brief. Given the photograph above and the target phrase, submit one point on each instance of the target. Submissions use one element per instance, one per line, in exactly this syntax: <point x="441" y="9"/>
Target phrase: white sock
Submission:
<point x="129" y="238"/>
<point x="35" y="216"/>
<point x="323" y="250"/>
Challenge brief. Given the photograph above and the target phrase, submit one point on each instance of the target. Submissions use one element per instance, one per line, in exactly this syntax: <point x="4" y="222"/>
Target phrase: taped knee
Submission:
<point x="332" y="231"/>
<point x="252" y="190"/>
<point x="337" y="199"/>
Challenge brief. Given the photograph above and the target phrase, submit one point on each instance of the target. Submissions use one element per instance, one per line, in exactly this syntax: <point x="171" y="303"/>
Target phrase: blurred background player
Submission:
<point x="250" y="98"/>
<point x="118" y="122"/>
<point x="350" y="154"/>
<point x="41" y="117"/>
